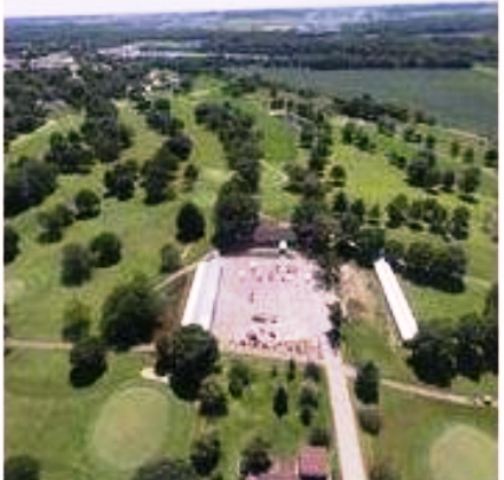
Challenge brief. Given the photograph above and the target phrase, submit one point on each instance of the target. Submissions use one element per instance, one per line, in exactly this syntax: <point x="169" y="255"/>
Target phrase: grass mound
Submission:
<point x="463" y="453"/>
<point x="131" y="427"/>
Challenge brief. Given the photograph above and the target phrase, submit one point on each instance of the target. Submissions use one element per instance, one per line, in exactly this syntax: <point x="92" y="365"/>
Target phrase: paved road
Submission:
<point x="347" y="437"/>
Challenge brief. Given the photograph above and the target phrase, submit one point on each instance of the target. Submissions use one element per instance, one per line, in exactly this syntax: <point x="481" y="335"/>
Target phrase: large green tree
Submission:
<point x="130" y="314"/>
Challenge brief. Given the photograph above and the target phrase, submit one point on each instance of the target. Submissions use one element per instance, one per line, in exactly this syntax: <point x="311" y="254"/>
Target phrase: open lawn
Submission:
<point x="105" y="431"/>
<point x="34" y="294"/>
<point x="434" y="440"/>
<point x="74" y="432"/>
<point x="465" y="99"/>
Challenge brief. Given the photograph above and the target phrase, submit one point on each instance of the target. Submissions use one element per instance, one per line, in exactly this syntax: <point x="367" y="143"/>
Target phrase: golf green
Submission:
<point x="131" y="427"/>
<point x="464" y="453"/>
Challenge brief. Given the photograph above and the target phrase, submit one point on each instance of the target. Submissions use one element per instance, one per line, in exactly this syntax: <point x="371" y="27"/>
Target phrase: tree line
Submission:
<point x="236" y="211"/>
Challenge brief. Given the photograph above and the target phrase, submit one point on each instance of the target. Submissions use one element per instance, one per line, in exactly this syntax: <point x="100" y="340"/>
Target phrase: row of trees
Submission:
<point x="402" y="211"/>
<point x="236" y="211"/>
<point x="103" y="131"/>
<point x="239" y="137"/>
<point x="440" y="352"/>
<point x="69" y="153"/>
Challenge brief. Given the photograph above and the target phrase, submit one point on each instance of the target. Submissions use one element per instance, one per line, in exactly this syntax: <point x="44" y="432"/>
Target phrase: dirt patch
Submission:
<point x="360" y="293"/>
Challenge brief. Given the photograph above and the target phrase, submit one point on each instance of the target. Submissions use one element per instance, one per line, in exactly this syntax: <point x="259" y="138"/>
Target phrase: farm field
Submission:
<point x="464" y="99"/>
<point x="439" y="442"/>
<point x="105" y="431"/>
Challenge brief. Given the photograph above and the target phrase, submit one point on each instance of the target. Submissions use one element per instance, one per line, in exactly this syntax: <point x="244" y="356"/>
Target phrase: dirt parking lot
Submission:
<point x="271" y="304"/>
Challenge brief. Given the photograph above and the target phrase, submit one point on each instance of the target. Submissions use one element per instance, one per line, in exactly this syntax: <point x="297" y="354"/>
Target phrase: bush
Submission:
<point x="190" y="223"/>
<point x="181" y="146"/>
<point x="87" y="204"/>
<point x="306" y="415"/>
<point x="213" y="400"/>
<point x="312" y="372"/>
<point x="239" y="378"/>
<point x="370" y="420"/>
<point x="383" y="470"/>
<point x="11" y="244"/>
<point x="170" y="258"/>
<point x="255" y="457"/>
<point x="367" y="383"/>
<point x="21" y="467"/>
<point x="88" y="360"/>
<point x="165" y="469"/>
<point x="205" y="453"/>
<point x="76" y="321"/>
<point x="291" y="370"/>
<point x="75" y="265"/>
<point x="105" y="249"/>
<point x="281" y="401"/>
<point x="320" y="437"/>
<point x="308" y="396"/>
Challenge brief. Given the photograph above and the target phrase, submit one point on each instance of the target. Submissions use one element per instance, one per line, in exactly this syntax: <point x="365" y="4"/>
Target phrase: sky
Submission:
<point x="22" y="8"/>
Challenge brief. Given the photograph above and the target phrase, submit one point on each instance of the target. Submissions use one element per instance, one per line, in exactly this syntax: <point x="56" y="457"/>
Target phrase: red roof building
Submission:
<point x="313" y="464"/>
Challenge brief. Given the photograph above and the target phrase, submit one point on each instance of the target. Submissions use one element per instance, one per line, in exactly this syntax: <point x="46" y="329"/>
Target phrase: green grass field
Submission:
<point x="34" y="294"/>
<point x="105" y="431"/>
<point x="464" y="99"/>
<point x="435" y="440"/>
<point x="63" y="427"/>
<point x="370" y="177"/>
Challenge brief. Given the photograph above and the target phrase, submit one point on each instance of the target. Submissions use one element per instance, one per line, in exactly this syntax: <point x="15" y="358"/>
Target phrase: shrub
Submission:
<point x="312" y="372"/>
<point x="383" y="470"/>
<point x="213" y="400"/>
<point x="281" y="401"/>
<point x="205" y="453"/>
<point x="239" y="378"/>
<point x="320" y="437"/>
<point x="11" y="244"/>
<point x="255" y="457"/>
<point x="308" y="396"/>
<point x="22" y="467"/>
<point x="170" y="258"/>
<point x="88" y="360"/>
<point x="370" y="420"/>
<point x="75" y="265"/>
<point x="76" y="321"/>
<point x="87" y="204"/>
<point x="105" y="249"/>
<point x="367" y="383"/>
<point x="190" y="223"/>
<point x="306" y="415"/>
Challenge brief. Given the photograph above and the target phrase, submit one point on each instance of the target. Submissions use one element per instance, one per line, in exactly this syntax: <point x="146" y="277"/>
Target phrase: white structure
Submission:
<point x="201" y="302"/>
<point x="403" y="317"/>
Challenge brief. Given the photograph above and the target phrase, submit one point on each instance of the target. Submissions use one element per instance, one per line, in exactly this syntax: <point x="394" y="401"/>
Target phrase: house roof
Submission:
<point x="313" y="462"/>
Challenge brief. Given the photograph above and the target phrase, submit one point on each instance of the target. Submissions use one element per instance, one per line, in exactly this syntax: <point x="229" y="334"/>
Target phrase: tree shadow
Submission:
<point x="81" y="378"/>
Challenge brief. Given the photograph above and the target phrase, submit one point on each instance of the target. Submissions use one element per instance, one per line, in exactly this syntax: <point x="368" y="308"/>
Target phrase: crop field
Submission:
<point x="464" y="99"/>
<point x="440" y="441"/>
<point x="105" y="431"/>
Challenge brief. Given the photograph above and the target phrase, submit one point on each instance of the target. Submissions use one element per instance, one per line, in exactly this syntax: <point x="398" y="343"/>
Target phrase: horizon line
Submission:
<point x="353" y="5"/>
